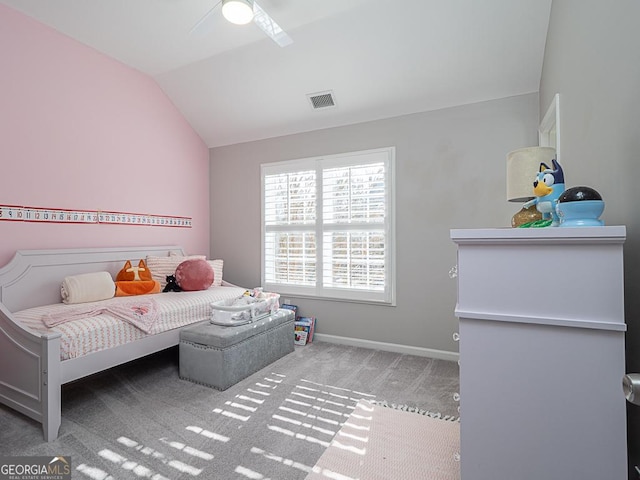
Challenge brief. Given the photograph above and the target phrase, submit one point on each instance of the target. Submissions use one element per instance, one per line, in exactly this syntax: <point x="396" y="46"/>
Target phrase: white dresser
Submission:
<point x="542" y="353"/>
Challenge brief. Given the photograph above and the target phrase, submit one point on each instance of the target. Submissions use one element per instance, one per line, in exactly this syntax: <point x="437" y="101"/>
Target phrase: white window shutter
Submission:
<point x="328" y="226"/>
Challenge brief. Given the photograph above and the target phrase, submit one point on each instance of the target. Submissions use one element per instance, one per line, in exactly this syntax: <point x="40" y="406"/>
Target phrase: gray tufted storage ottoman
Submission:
<point x="219" y="356"/>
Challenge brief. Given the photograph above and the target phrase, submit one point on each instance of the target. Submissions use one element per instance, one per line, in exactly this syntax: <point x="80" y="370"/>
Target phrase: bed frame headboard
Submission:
<point x="33" y="277"/>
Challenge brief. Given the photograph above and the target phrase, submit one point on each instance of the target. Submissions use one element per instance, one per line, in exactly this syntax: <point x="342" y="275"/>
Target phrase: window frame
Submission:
<point x="320" y="163"/>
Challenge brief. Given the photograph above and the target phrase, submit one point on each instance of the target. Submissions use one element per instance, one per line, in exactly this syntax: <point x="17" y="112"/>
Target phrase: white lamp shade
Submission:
<point x="239" y="12"/>
<point x="522" y="167"/>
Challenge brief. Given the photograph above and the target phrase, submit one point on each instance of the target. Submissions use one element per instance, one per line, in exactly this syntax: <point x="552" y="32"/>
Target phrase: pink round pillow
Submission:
<point x="194" y="274"/>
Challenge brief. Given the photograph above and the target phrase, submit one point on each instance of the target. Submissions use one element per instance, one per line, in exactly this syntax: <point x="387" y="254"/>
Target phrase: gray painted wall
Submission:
<point x="592" y="59"/>
<point x="450" y="170"/>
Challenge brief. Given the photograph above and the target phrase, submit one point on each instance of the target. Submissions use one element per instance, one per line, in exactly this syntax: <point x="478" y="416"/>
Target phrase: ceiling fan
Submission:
<point x="242" y="12"/>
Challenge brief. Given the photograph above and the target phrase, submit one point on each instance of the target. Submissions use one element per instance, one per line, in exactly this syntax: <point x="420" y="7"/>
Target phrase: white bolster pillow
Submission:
<point x="87" y="287"/>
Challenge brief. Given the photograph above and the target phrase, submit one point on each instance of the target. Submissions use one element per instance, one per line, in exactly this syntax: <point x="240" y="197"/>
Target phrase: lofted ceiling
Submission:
<point x="380" y="58"/>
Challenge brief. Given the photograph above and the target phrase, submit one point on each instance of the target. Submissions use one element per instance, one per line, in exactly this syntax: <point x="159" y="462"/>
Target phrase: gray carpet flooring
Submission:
<point x="139" y="420"/>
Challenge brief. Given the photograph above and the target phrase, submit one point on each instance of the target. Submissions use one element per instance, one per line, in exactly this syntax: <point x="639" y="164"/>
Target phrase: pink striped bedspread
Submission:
<point x="104" y="331"/>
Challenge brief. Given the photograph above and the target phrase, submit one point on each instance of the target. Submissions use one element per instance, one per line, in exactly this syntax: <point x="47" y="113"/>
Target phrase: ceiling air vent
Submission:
<point x="322" y="99"/>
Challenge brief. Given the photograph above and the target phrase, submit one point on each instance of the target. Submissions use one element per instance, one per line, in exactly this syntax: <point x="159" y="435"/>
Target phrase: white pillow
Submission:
<point x="162" y="266"/>
<point x="217" y="266"/>
<point x="87" y="287"/>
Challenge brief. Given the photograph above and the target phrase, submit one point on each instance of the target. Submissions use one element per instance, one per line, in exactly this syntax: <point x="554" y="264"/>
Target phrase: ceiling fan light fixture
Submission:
<point x="239" y="12"/>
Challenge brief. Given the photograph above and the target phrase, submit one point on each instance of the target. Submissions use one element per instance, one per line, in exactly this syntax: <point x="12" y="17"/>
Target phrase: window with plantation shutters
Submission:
<point x="328" y="228"/>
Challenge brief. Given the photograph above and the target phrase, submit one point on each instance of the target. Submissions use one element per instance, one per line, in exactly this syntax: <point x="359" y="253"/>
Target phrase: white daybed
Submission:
<point x="31" y="369"/>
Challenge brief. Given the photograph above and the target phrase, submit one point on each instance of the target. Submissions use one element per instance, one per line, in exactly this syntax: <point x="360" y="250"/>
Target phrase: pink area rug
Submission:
<point x="380" y="443"/>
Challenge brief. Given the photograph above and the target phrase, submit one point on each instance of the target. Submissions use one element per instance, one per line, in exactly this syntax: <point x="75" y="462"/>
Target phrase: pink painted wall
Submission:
<point x="80" y="130"/>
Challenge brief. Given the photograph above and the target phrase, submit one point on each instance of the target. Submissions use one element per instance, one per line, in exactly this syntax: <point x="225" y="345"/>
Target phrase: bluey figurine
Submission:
<point x="547" y="187"/>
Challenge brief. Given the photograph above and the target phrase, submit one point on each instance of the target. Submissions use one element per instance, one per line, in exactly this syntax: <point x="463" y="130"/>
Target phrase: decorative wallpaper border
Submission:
<point x="15" y="213"/>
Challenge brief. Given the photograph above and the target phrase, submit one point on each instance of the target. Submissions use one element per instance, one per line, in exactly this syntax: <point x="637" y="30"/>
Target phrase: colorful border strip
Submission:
<point x="17" y="213"/>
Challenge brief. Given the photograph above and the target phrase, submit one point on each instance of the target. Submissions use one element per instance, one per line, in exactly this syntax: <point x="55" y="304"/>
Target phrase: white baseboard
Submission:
<point x="388" y="347"/>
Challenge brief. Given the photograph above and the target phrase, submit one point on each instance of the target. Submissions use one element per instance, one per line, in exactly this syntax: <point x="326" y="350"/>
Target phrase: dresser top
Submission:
<point x="606" y="234"/>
